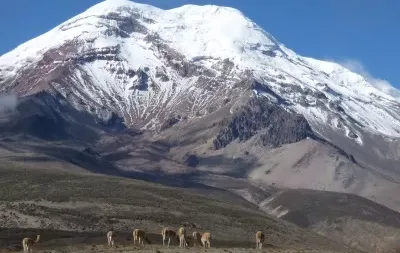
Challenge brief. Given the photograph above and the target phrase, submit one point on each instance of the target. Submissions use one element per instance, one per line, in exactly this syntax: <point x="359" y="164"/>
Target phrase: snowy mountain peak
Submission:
<point x="195" y="31"/>
<point x="210" y="30"/>
<point x="145" y="64"/>
<point x="119" y="6"/>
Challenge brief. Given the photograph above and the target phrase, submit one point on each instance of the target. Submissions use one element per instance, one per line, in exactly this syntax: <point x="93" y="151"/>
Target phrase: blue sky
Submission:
<point x="362" y="34"/>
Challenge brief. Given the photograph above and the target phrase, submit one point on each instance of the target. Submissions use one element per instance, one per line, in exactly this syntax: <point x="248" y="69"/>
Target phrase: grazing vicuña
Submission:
<point x="206" y="240"/>
<point x="140" y="236"/>
<point x="111" y="238"/>
<point x="259" y="239"/>
<point x="168" y="233"/>
<point x="182" y="237"/>
<point x="196" y="239"/>
<point x="27" y="243"/>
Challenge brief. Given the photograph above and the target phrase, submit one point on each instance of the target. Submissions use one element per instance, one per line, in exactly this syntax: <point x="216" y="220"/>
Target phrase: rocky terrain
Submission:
<point x="198" y="97"/>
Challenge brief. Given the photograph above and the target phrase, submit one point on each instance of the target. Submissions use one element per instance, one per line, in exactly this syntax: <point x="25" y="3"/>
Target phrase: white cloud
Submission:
<point x="8" y="103"/>
<point x="381" y="84"/>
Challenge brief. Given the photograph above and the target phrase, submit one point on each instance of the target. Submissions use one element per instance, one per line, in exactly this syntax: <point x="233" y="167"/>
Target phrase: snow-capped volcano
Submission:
<point x="188" y="66"/>
<point x="148" y="57"/>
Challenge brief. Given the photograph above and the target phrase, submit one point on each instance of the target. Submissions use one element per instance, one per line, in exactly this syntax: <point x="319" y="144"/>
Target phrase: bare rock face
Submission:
<point x="275" y="125"/>
<point x="142" y="82"/>
<point x="125" y="26"/>
<point x="173" y="120"/>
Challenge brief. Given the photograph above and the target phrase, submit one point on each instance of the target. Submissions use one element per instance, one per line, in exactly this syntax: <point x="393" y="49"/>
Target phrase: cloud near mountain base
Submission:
<point x="8" y="103"/>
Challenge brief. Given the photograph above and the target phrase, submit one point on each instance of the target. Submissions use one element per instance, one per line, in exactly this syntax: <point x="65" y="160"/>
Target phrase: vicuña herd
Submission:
<point x="139" y="236"/>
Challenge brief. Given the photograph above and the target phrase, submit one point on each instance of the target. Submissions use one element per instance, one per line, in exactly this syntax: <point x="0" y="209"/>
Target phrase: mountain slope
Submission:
<point x="359" y="223"/>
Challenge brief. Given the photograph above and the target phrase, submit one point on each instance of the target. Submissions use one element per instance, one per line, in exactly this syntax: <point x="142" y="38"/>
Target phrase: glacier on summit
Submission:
<point x="203" y="36"/>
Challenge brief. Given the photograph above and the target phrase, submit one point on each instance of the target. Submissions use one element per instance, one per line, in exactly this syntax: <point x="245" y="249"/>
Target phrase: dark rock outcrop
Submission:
<point x="191" y="160"/>
<point x="275" y="125"/>
<point x="105" y="54"/>
<point x="125" y="26"/>
<point x="169" y="123"/>
<point x="259" y="87"/>
<point x="142" y="82"/>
